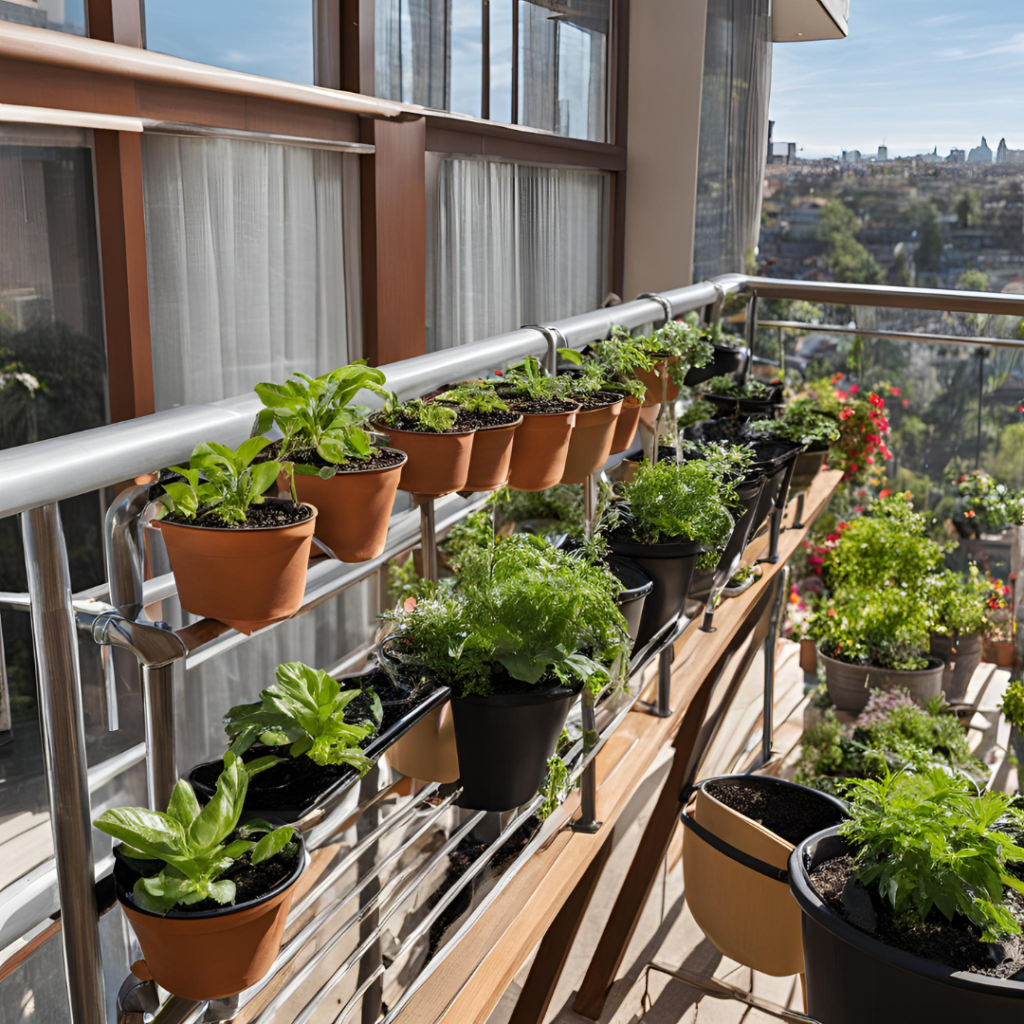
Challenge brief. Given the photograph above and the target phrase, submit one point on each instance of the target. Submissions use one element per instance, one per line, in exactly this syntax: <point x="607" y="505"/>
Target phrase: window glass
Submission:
<point x="273" y="38"/>
<point x="502" y="13"/>
<point x="61" y="15"/>
<point x="467" y="56"/>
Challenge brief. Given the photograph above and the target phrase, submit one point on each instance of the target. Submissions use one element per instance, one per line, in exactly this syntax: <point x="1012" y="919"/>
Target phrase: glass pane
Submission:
<point x="273" y="38"/>
<point x="60" y="15"/>
<point x="467" y="50"/>
<point x="501" y="59"/>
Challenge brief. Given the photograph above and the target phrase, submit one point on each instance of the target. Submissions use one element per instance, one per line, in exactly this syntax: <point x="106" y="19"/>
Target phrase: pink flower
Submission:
<point x="906" y="402"/>
<point x="854" y="389"/>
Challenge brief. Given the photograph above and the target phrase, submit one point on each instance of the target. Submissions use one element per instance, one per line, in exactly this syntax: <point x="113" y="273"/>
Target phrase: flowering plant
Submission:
<point x="999" y="613"/>
<point x="986" y="505"/>
<point x="958" y="604"/>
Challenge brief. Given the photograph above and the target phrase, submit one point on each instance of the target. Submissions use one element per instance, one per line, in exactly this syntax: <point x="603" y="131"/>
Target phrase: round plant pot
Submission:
<point x="960" y="657"/>
<point x="354" y="509"/>
<point x="849" y="686"/>
<point x="427" y="751"/>
<point x="670" y="567"/>
<point x="540" y="449"/>
<point x="727" y="360"/>
<point x="748" y="915"/>
<point x="438" y="463"/>
<point x="652" y="379"/>
<point x="591" y="441"/>
<point x="636" y="586"/>
<point x="211" y="954"/>
<point x="806" y="468"/>
<point x="742" y="408"/>
<point x="626" y="425"/>
<point x="504" y="742"/>
<point x="246" y="579"/>
<point x="852" y="978"/>
<point x="1000" y="653"/>
<point x="492" y="457"/>
<point x="809" y="657"/>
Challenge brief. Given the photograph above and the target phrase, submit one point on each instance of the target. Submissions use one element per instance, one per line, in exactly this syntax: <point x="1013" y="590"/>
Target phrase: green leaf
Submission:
<point x="263" y="476"/>
<point x="570" y="355"/>
<point x="330" y="449"/>
<point x="154" y="904"/>
<point x="183" y="806"/>
<point x="237" y="848"/>
<point x="223" y="892"/>
<point x="218" y="818"/>
<point x="272" y="844"/>
<point x="150" y="832"/>
<point x="261" y="764"/>
<point x="250" y="448"/>
<point x="183" y="498"/>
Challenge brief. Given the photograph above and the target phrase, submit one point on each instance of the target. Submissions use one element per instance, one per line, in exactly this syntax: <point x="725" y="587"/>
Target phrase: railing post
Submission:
<point x="770" y="644"/>
<point x="158" y="704"/>
<point x="750" y="333"/>
<point x="55" y="643"/>
<point x="428" y="540"/>
<point x="588" y="780"/>
<point x="590" y="505"/>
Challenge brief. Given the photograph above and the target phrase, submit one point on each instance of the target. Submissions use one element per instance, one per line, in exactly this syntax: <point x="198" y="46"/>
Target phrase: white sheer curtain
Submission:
<point x="514" y="244"/>
<point x="412" y="51"/>
<point x="253" y="263"/>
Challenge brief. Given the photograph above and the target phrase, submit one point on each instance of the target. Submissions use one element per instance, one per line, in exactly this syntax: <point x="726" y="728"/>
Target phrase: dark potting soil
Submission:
<point x="791" y="814"/>
<point x="955" y="943"/>
<point x="525" y="404"/>
<point x="380" y="458"/>
<point x="599" y="401"/>
<point x="480" y="420"/>
<point x="282" y="513"/>
<point x="403" y="422"/>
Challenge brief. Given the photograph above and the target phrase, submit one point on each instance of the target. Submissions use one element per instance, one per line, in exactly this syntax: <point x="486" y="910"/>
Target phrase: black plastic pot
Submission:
<point x="727" y="360"/>
<point x="807" y="467"/>
<point x="853" y="978"/>
<point x="504" y="742"/>
<point x="636" y="586"/>
<point x="743" y="408"/>
<point x="671" y="567"/>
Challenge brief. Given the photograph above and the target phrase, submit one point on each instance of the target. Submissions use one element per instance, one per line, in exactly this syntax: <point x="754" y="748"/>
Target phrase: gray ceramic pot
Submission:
<point x="960" y="657"/>
<point x="849" y="686"/>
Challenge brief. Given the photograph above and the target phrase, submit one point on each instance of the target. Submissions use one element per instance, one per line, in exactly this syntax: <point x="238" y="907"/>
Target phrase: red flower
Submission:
<point x="906" y="402"/>
<point x="845" y="414"/>
<point x="854" y="388"/>
<point x="969" y="514"/>
<point x="831" y="613"/>
<point x="870" y="460"/>
<point x="884" y="493"/>
<point x="842" y="526"/>
<point x="409" y="603"/>
<point x="876" y="401"/>
<point x="858" y="508"/>
<point x="1020" y="408"/>
<point x="833" y="537"/>
<point x="499" y="373"/>
<point x="853" y="467"/>
<point x="894" y="391"/>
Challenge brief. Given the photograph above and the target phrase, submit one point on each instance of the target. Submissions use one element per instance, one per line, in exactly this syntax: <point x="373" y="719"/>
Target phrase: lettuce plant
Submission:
<point x="305" y="712"/>
<point x="316" y="414"/>
<point x="426" y="417"/>
<point x="196" y="845"/>
<point x="220" y="483"/>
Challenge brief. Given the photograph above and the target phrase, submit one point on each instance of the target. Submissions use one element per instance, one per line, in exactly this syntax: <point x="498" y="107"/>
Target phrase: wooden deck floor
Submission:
<point x="667" y="933"/>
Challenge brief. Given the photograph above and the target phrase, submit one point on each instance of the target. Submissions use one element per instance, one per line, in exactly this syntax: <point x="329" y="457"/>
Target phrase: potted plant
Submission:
<point x="336" y="466"/>
<point x="495" y="424"/>
<point x="668" y="518"/>
<point x="315" y="731"/>
<point x="998" y="646"/>
<point x="439" y="450"/>
<point x="742" y="399"/>
<point x="542" y="441"/>
<point x="207" y="897"/>
<point x="1013" y="711"/>
<point x="516" y="635"/>
<point x="907" y="912"/>
<point x="801" y="422"/>
<point x="236" y="556"/>
<point x="741" y="832"/>
<point x="984" y="505"/>
<point x="596" y="419"/>
<point x="728" y="357"/>
<point x="676" y="348"/>
<point x="958" y="606"/>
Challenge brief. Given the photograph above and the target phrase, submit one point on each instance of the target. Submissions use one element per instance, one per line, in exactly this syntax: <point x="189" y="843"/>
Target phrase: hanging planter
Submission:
<point x="807" y="467"/>
<point x="739" y="838"/>
<point x="542" y="443"/>
<point x="591" y="440"/>
<point x="742" y="400"/>
<point x="658" y="381"/>
<point x="727" y="360"/>
<point x="236" y="556"/>
<point x="960" y="657"/>
<point x="808" y="656"/>
<point x="626" y="425"/>
<point x="849" y="686"/>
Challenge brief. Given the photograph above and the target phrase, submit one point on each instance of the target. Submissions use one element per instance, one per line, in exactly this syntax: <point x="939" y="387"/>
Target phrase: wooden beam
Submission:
<point x="394" y="241"/>
<point x="357" y="57"/>
<point x="122" y="230"/>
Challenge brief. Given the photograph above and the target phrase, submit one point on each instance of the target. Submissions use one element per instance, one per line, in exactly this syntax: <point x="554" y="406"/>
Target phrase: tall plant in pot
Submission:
<point x="517" y="635"/>
<point x="912" y="908"/>
<point x="958" y="606"/>
<point x="620" y="359"/>
<point x="336" y="466"/>
<point x="206" y="896"/>
<point x="236" y="556"/>
<point x="676" y="347"/>
<point x="600" y="400"/>
<point x="1013" y="711"/>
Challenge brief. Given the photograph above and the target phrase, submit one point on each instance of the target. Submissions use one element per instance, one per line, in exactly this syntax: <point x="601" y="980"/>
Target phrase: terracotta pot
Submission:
<point x="427" y="751"/>
<point x="354" y="509"/>
<point x="960" y="657"/>
<point x="540" y="449"/>
<point x="246" y="579"/>
<point x="591" y="442"/>
<point x="211" y="954"/>
<point x="438" y="463"/>
<point x="849" y="686"/>
<point x="999" y="652"/>
<point x="492" y="457"/>
<point x="747" y="915"/>
<point x="652" y="378"/>
<point x="809" y="657"/>
<point x="626" y="425"/>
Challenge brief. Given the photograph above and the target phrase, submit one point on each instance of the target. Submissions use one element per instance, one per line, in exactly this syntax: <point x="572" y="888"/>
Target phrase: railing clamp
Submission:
<point x="555" y="340"/>
<point x="662" y="301"/>
<point x="136" y="999"/>
<point x="155" y="644"/>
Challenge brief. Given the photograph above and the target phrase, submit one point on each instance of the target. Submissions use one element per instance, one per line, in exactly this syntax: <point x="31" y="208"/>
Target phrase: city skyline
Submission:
<point x="913" y="75"/>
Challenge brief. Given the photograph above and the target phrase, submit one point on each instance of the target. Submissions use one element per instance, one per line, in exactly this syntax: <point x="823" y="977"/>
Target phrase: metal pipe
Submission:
<point x="937" y="339"/>
<point x="770" y="643"/>
<point x="750" y="333"/>
<point x="428" y="541"/>
<point x="158" y="708"/>
<point x="664" y="706"/>
<point x="666" y="306"/>
<point x="106" y="771"/>
<point x="587" y="821"/>
<point x="55" y="643"/>
<point x="590" y="504"/>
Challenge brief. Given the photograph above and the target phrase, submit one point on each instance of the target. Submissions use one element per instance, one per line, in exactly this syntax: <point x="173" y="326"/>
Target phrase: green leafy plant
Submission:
<point x="799" y="422"/>
<point x="315" y="414"/>
<point x="555" y="787"/>
<point x="475" y="531"/>
<point x="682" y="339"/>
<point x="196" y="845"/>
<point x="528" y="380"/>
<point x="305" y="712"/>
<point x="1012" y="704"/>
<point x="474" y="396"/>
<point x="989" y="505"/>
<point x="726" y="385"/>
<point x="931" y="840"/>
<point x="220" y="483"/>
<point x="562" y="503"/>
<point x="697" y="409"/>
<point x="958" y="603"/>
<point x="427" y="417"/>
<point x="599" y="374"/>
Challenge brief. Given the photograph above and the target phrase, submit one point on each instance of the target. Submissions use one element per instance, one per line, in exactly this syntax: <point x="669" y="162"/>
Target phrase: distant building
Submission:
<point x="980" y="154"/>
<point x="883" y="154"/>
<point x="1005" y="155"/>
<point x="851" y="156"/>
<point x="956" y="156"/>
<point x="930" y="158"/>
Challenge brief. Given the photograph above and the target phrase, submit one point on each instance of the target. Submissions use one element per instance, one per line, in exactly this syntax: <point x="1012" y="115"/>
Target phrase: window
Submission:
<point x="273" y="38"/>
<point x="513" y="244"/>
<point x="252" y="258"/>
<point x="60" y="15"/>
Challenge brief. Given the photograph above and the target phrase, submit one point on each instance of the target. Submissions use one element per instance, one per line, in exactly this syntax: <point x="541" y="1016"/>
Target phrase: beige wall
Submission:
<point x="666" y="64"/>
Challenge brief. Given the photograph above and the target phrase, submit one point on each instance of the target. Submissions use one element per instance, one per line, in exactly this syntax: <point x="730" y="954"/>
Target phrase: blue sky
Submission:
<point x="913" y="73"/>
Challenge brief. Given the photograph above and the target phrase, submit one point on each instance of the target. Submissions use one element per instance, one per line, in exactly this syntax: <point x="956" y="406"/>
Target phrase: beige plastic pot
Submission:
<point x="427" y="751"/>
<point x="850" y="686"/>
<point x="626" y="425"/>
<point x="748" y="914"/>
<point x="591" y="441"/>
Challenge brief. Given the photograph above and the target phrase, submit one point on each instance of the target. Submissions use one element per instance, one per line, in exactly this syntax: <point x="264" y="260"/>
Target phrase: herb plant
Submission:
<point x="930" y="840"/>
<point x="681" y="339"/>
<point x="726" y="385"/>
<point x="528" y="380"/>
<point x="474" y="396"/>
<point x="562" y="503"/>
<point x="315" y="414"/>
<point x="1013" y="704"/>
<point x="196" y="845"/>
<point x="598" y="375"/>
<point x="220" y="483"/>
<point x="555" y="787"/>
<point x="427" y="417"/>
<point x="305" y="712"/>
<point x="801" y="423"/>
<point x="958" y="604"/>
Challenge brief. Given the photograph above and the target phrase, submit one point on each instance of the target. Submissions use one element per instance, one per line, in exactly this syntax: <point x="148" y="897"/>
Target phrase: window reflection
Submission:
<point x="59" y="15"/>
